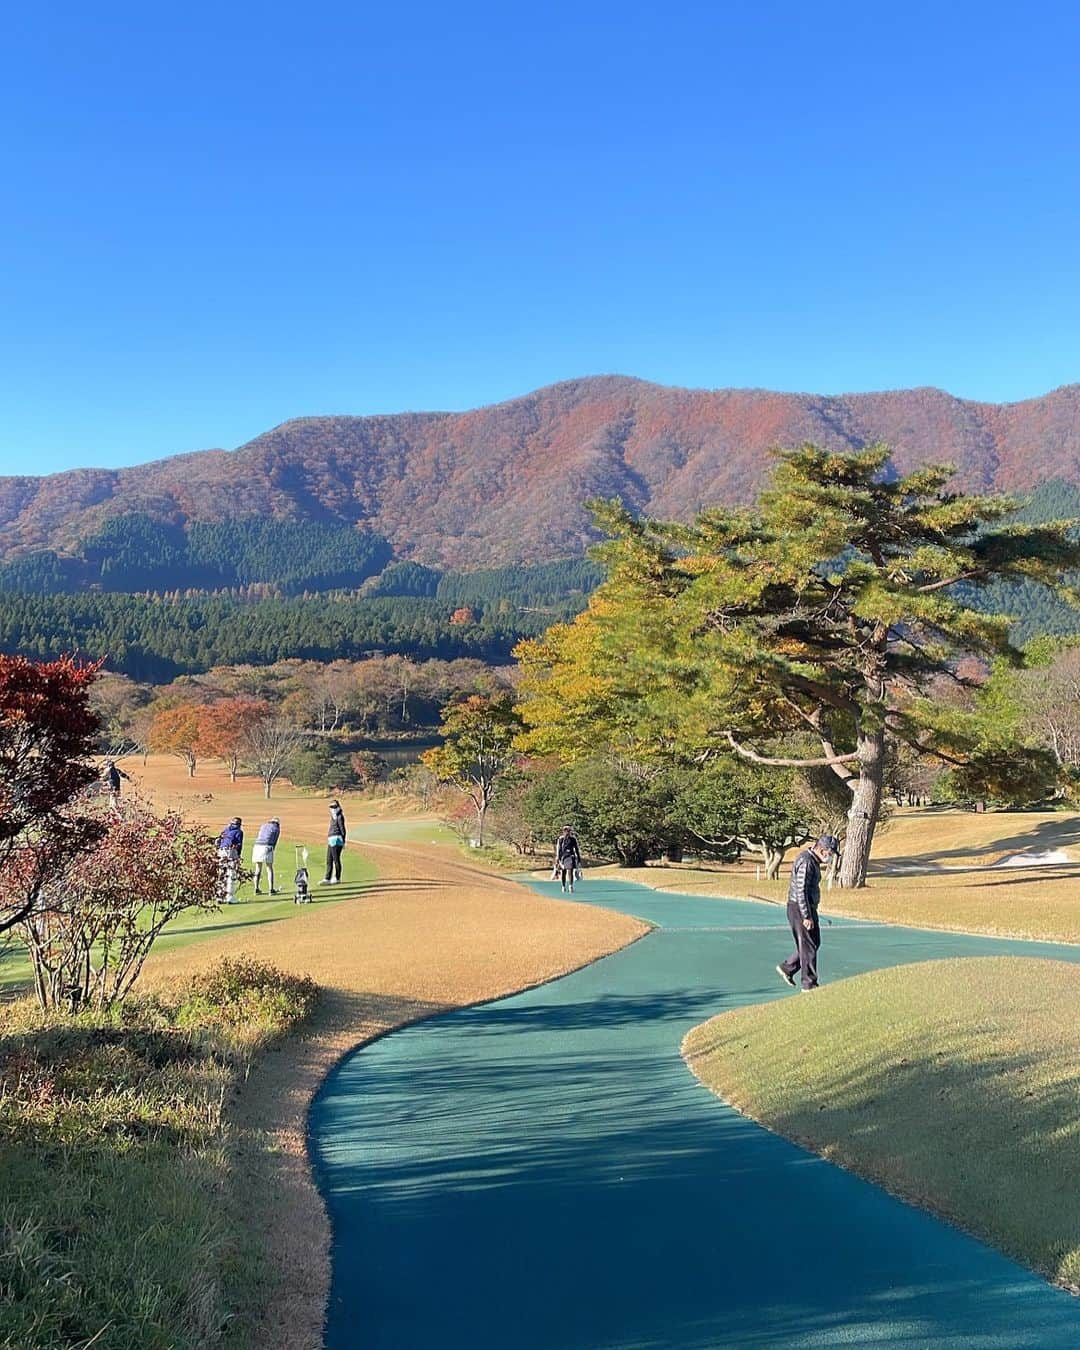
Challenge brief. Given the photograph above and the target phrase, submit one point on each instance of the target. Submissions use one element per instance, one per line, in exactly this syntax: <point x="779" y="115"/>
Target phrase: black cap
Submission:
<point x="829" y="843"/>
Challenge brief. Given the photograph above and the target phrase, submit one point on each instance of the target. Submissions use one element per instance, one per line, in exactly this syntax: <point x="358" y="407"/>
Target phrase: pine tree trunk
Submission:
<point x="865" y="808"/>
<point x="773" y="858"/>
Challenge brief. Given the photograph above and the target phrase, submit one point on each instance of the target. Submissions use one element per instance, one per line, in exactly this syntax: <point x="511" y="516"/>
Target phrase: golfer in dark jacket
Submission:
<point x="110" y="781"/>
<point x="567" y="858"/>
<point x="335" y="842"/>
<point x="804" y="896"/>
<point x="230" y="850"/>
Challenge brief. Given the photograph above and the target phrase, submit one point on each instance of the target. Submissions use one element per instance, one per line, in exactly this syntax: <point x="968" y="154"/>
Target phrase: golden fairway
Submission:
<point x="431" y="933"/>
<point x="934" y="869"/>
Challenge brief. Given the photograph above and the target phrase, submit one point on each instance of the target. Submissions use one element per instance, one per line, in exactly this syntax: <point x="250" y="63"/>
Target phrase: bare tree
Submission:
<point x="268" y="745"/>
<point x="1052" y="705"/>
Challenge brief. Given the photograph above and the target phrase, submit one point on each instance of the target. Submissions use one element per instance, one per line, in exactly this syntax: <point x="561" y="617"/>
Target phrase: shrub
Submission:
<point x="322" y="766"/>
<point x="119" y="1222"/>
<point x="240" y="991"/>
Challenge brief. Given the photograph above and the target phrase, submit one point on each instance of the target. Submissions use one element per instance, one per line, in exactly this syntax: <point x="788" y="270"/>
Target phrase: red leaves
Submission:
<point x="100" y="906"/>
<point x="46" y="733"/>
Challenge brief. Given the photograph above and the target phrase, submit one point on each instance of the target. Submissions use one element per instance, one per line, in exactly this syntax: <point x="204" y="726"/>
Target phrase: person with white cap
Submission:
<point x="804" y="896"/>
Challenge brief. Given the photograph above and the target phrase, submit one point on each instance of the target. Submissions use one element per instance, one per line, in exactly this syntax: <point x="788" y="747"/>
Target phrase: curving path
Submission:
<point x="545" y="1172"/>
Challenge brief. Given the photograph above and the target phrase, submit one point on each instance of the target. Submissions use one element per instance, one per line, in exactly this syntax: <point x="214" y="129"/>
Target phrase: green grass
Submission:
<point x="406" y="831"/>
<point x="951" y="1083"/>
<point x="498" y="856"/>
<point x="119" y="1223"/>
<point x="196" y="925"/>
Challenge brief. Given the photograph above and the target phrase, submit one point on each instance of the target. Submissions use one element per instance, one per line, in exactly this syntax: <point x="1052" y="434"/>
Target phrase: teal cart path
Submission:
<point x="544" y="1172"/>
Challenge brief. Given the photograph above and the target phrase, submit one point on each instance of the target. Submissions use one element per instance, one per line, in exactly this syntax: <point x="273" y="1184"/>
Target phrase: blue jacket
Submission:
<point x="268" y="833"/>
<point x="804" y="888"/>
<point x="231" y="840"/>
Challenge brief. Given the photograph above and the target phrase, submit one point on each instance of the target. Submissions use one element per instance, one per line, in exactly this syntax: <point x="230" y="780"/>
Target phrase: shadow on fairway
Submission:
<point x="1051" y="834"/>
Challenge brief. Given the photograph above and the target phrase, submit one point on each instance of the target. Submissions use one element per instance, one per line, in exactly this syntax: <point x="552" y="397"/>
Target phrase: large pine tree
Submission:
<point x="809" y="630"/>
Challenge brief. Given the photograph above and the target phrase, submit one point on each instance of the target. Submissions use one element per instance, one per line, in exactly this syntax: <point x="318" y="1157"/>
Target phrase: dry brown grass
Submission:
<point x="432" y="933"/>
<point x="1043" y="907"/>
<point x="1040" y="903"/>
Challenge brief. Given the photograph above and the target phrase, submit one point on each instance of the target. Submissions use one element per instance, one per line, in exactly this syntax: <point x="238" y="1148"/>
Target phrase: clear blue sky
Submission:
<point x="215" y="217"/>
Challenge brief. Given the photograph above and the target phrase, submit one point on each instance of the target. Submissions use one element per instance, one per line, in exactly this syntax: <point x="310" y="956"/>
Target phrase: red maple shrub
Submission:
<point x="47" y="730"/>
<point x="102" y="909"/>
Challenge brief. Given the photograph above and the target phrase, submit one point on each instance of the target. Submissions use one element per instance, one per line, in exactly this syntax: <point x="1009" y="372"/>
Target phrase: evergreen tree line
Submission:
<point x="136" y="553"/>
<point x="155" y="640"/>
<point x="523" y="585"/>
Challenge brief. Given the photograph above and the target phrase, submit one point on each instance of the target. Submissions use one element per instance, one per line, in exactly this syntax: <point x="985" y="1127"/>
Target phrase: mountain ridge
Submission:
<point x="506" y="482"/>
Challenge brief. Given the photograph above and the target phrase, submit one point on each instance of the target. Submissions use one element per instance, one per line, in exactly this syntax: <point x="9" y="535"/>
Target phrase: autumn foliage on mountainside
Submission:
<point x="508" y="483"/>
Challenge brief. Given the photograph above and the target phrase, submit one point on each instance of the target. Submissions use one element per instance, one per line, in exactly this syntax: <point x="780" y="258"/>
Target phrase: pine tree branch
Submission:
<point x="784" y="762"/>
<point x="952" y="581"/>
<point x="824" y="693"/>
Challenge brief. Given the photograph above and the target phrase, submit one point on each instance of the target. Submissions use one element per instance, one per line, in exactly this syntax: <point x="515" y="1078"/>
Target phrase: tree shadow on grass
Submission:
<point x="1041" y="838"/>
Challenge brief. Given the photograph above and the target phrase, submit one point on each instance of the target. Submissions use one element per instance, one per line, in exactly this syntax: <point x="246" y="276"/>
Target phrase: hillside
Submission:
<point x="506" y="483"/>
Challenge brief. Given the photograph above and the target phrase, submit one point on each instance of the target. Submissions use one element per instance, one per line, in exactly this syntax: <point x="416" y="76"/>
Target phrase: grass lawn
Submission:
<point x="951" y="1083"/>
<point x="1041" y="904"/>
<point x="122" y="1223"/>
<point x="357" y="872"/>
<point x="956" y="886"/>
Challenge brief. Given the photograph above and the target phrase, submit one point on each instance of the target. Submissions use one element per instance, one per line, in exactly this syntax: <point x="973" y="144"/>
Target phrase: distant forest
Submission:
<point x="1035" y="609"/>
<point x="156" y="601"/>
<point x="136" y="553"/>
<point x="155" y="639"/>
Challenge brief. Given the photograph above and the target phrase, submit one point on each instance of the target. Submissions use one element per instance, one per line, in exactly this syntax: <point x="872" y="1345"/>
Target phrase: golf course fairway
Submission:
<point x="544" y="1171"/>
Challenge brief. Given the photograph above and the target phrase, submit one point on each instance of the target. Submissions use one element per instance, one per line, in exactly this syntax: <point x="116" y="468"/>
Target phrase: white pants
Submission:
<point x="230" y="875"/>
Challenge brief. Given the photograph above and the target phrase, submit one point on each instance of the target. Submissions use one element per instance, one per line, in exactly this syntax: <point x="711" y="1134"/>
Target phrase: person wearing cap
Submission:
<point x="262" y="854"/>
<point x="230" y="846"/>
<point x="804" y="896"/>
<point x="335" y="842"/>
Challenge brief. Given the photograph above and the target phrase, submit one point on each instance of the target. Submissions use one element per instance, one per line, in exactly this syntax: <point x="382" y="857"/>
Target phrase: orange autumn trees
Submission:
<point x="226" y="726"/>
<point x="178" y="731"/>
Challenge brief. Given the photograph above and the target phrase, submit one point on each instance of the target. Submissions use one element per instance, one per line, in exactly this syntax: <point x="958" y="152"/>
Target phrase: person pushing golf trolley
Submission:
<point x="301" y="877"/>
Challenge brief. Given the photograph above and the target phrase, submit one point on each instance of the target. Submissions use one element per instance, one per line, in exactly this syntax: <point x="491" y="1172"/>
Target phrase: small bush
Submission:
<point x="240" y="991"/>
<point x="322" y="766"/>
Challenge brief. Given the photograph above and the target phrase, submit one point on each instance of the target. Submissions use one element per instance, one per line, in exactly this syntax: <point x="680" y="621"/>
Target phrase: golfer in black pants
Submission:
<point x="804" y="896"/>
